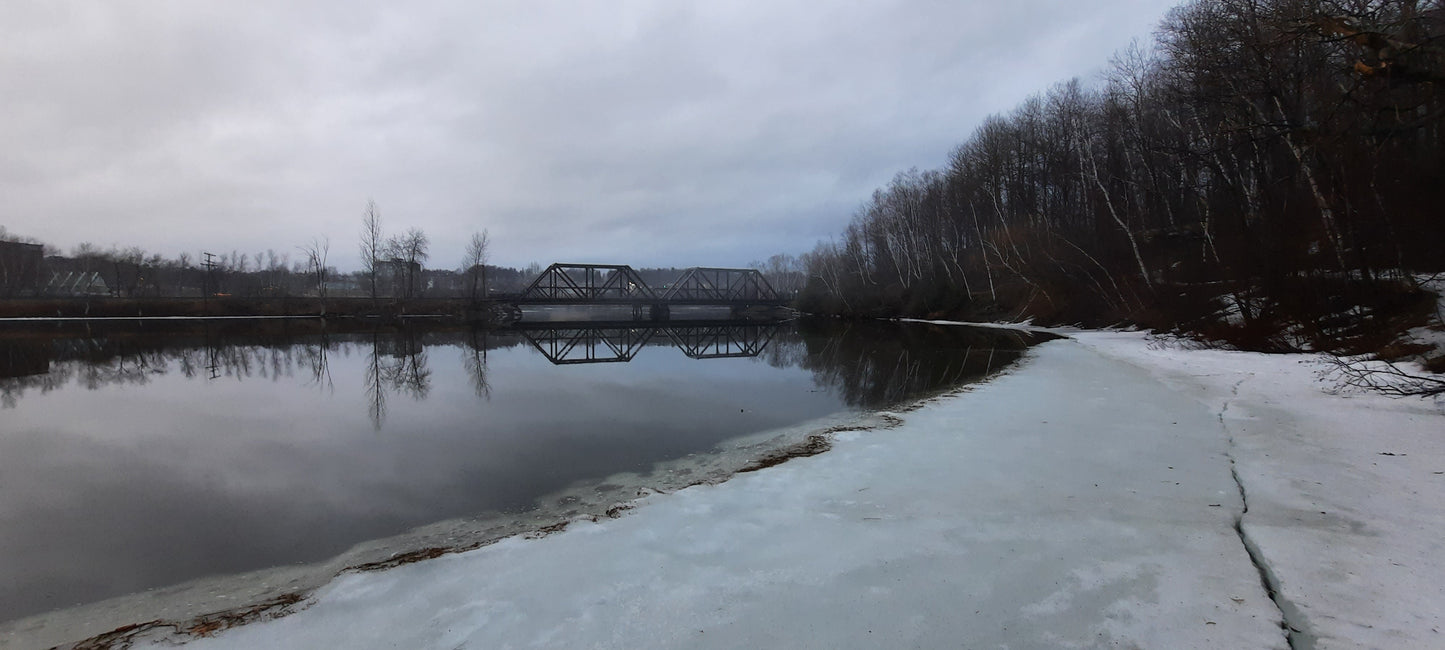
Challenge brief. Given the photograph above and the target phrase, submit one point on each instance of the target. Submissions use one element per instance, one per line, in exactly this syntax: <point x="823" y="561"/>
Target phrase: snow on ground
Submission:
<point x="1346" y="493"/>
<point x="1075" y="502"/>
<point x="1433" y="333"/>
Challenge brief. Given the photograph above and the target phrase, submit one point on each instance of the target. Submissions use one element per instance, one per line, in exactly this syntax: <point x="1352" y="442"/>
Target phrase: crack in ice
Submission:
<point x="1294" y="635"/>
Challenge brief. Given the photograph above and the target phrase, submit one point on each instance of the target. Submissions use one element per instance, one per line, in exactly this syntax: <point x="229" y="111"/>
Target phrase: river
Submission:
<point x="134" y="456"/>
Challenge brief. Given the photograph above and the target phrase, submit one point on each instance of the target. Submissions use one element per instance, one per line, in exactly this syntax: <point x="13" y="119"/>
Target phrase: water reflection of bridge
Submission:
<point x="578" y="343"/>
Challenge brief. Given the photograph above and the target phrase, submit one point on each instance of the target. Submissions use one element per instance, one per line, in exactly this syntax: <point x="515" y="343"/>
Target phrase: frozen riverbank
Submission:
<point x="1087" y="499"/>
<point x="1077" y="501"/>
<point x="1346" y="493"/>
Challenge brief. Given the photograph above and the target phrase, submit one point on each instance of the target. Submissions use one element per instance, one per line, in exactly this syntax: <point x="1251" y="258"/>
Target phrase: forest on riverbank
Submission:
<point x="1267" y="173"/>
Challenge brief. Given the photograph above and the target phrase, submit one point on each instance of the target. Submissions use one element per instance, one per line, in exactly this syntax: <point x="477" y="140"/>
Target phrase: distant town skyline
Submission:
<point x="646" y="133"/>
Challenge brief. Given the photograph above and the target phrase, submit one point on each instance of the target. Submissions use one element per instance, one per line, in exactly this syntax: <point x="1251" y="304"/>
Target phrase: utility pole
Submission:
<point x="206" y="282"/>
<point x="210" y="265"/>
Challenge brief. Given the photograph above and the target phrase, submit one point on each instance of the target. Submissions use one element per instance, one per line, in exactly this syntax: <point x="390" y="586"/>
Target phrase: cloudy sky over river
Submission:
<point x="648" y="132"/>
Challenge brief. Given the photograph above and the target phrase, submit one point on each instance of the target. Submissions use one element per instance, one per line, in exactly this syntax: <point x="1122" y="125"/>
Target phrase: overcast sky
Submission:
<point x="651" y="133"/>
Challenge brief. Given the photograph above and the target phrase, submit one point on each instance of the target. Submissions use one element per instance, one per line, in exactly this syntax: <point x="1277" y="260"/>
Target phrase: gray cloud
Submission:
<point x="645" y="132"/>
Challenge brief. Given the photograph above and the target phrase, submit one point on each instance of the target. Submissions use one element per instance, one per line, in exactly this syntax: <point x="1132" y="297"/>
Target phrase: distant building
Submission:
<point x="338" y="286"/>
<point x="398" y="278"/>
<point x="76" y="283"/>
<point x="444" y="283"/>
<point x="20" y="268"/>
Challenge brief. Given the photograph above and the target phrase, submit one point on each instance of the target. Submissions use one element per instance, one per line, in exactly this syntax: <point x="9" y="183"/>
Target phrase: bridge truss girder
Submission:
<point x="710" y="284"/>
<point x="588" y="283"/>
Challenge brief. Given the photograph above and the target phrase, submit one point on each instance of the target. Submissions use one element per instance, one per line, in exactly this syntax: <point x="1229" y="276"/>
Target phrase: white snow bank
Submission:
<point x="1077" y="502"/>
<point x="1346" y="492"/>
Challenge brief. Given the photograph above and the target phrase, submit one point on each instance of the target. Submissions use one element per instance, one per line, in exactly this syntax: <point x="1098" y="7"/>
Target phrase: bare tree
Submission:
<point x="373" y="245"/>
<point x="474" y="263"/>
<point x="410" y="250"/>
<point x="785" y="272"/>
<point x="316" y="252"/>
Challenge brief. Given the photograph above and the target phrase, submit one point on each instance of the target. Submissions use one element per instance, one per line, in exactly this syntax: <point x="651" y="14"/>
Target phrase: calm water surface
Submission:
<point x="142" y="456"/>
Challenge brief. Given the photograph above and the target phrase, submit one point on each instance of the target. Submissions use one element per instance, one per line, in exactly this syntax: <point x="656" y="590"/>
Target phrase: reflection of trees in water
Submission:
<point x="875" y="365"/>
<point x="474" y="360"/>
<point x="23" y="368"/>
<point x="868" y="364"/>
<point x="786" y="350"/>
<point x="97" y="362"/>
<point x="401" y="364"/>
<point x="241" y="362"/>
<point x="375" y="388"/>
<point x="91" y="363"/>
<point x="317" y="358"/>
<point x="397" y="364"/>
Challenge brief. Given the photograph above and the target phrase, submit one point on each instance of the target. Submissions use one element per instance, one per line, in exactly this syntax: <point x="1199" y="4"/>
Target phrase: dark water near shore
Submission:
<point x="139" y="456"/>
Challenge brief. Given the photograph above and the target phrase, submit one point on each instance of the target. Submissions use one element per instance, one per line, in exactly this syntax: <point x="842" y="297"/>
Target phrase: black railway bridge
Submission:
<point x="742" y="290"/>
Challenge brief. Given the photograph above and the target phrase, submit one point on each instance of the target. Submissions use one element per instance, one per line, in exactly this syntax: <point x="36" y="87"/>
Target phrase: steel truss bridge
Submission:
<point x="619" y="342"/>
<point x="618" y="284"/>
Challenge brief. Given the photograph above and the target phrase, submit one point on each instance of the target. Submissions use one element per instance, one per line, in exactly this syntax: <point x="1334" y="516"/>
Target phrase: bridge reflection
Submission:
<point x="580" y="343"/>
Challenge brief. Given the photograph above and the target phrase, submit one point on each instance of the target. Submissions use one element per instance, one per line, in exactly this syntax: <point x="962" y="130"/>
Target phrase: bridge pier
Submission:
<point x="654" y="311"/>
<point x="756" y="312"/>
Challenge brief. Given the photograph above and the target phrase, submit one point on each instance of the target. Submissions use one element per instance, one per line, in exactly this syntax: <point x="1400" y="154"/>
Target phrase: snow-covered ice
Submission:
<point x="1346" y="492"/>
<point x="1087" y="499"/>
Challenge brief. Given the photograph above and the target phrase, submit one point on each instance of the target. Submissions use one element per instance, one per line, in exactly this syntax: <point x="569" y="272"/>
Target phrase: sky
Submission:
<point x="642" y="132"/>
